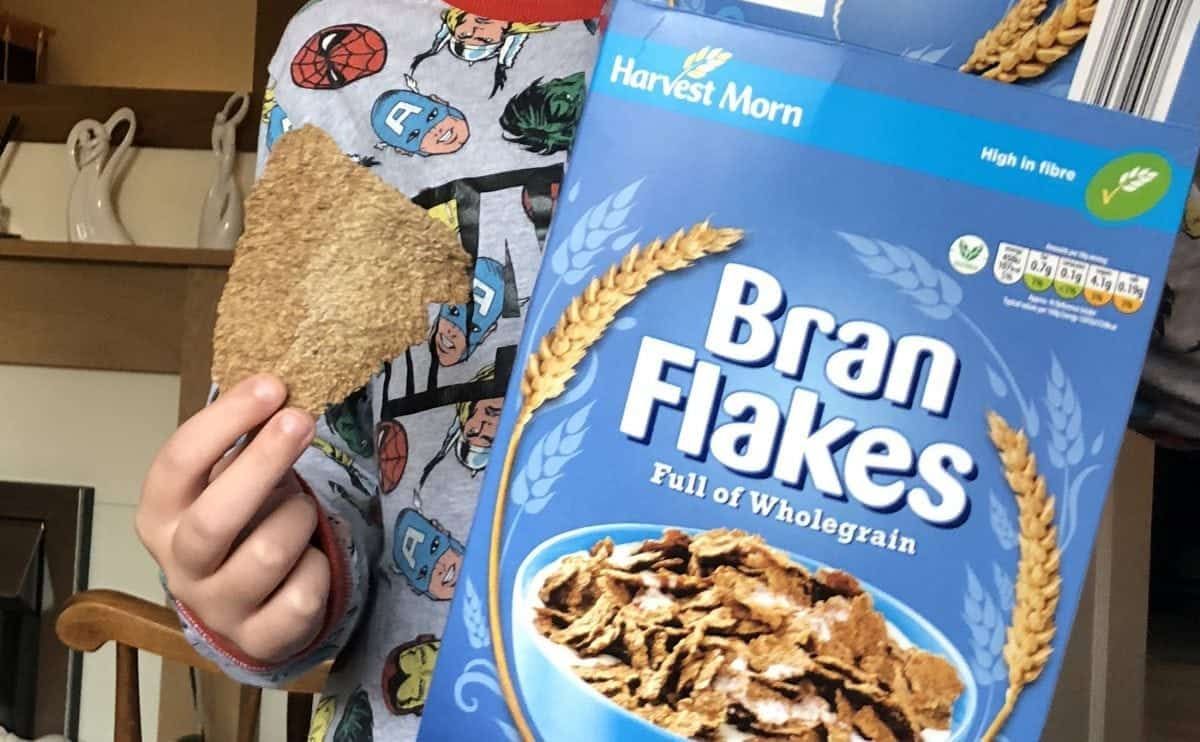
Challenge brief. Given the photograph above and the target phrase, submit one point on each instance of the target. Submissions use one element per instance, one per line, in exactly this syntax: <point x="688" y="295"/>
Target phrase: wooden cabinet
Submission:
<point x="115" y="308"/>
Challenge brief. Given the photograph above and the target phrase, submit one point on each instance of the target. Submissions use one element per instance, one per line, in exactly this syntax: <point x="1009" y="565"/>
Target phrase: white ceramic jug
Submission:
<point x="91" y="216"/>
<point x="221" y="219"/>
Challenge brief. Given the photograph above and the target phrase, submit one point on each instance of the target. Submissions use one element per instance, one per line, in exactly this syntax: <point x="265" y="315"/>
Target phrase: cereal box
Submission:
<point x="818" y="403"/>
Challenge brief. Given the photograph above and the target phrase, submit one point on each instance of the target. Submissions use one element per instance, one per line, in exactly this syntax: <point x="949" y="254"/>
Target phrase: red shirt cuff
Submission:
<point x="335" y="609"/>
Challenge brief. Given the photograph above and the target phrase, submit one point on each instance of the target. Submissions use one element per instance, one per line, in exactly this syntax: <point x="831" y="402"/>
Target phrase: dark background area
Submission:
<point x="1173" y="659"/>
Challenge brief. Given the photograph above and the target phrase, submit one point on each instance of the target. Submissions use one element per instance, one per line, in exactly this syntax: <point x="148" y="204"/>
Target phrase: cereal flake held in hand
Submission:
<point x="720" y="636"/>
<point x="332" y="277"/>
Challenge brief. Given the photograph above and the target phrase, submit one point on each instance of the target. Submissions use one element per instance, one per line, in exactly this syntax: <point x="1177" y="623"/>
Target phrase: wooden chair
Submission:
<point x="91" y="619"/>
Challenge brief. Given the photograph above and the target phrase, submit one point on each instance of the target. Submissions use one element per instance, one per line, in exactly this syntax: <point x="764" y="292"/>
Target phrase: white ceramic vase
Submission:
<point x="222" y="218"/>
<point x="97" y="166"/>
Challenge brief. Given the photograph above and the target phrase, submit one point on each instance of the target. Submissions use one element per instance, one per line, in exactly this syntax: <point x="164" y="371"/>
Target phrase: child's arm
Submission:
<point x="266" y="551"/>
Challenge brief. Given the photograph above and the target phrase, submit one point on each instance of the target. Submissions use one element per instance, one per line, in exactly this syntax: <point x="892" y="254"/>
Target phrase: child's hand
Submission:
<point x="232" y="533"/>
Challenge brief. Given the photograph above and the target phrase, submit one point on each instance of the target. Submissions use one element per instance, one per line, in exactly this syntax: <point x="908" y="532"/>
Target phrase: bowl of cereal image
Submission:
<point x="641" y="632"/>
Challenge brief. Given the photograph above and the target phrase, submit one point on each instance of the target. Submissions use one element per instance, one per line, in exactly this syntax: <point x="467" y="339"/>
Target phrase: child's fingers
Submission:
<point x="260" y="563"/>
<point x="291" y="619"/>
<point x="212" y="524"/>
<point x="181" y="469"/>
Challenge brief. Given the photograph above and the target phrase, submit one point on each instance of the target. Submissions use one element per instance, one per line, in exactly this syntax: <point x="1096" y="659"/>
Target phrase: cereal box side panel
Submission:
<point x="941" y="32"/>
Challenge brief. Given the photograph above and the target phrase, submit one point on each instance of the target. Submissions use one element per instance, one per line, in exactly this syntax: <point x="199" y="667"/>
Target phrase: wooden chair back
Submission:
<point x="93" y="618"/>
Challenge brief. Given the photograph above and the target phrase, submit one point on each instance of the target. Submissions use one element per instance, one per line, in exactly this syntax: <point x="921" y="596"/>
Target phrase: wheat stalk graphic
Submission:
<point x="553" y="365"/>
<point x="699" y="64"/>
<point x="1131" y="181"/>
<point x="1039" y="579"/>
<point x="1022" y="46"/>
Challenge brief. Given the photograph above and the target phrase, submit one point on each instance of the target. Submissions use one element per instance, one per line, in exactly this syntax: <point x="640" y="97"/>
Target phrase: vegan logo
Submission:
<point x="699" y="64"/>
<point x="1129" y="186"/>
<point x="969" y="254"/>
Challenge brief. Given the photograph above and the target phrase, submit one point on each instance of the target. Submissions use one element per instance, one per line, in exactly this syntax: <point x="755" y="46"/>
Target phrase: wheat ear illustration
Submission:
<point x="1131" y="181"/>
<point x="1022" y="16"/>
<point x="1040" y="47"/>
<point x="699" y="64"/>
<point x="1039" y="579"/>
<point x="553" y="365"/>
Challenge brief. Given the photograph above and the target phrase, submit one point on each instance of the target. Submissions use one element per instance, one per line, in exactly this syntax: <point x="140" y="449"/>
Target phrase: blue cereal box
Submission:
<point x="824" y="379"/>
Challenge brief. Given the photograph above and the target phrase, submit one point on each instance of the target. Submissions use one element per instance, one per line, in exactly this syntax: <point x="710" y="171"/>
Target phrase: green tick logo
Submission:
<point x="1129" y="186"/>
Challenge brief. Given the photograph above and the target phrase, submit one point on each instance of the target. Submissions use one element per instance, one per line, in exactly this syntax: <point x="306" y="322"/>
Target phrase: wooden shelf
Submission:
<point x="173" y="119"/>
<point x="112" y="307"/>
<point x="91" y="253"/>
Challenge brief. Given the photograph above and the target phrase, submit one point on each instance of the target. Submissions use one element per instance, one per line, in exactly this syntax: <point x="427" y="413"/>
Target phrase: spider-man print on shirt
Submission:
<point x="337" y="56"/>
<point x="473" y="39"/>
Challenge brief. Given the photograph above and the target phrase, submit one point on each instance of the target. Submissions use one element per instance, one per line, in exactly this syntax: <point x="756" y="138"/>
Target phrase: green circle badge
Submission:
<point x="1129" y="186"/>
